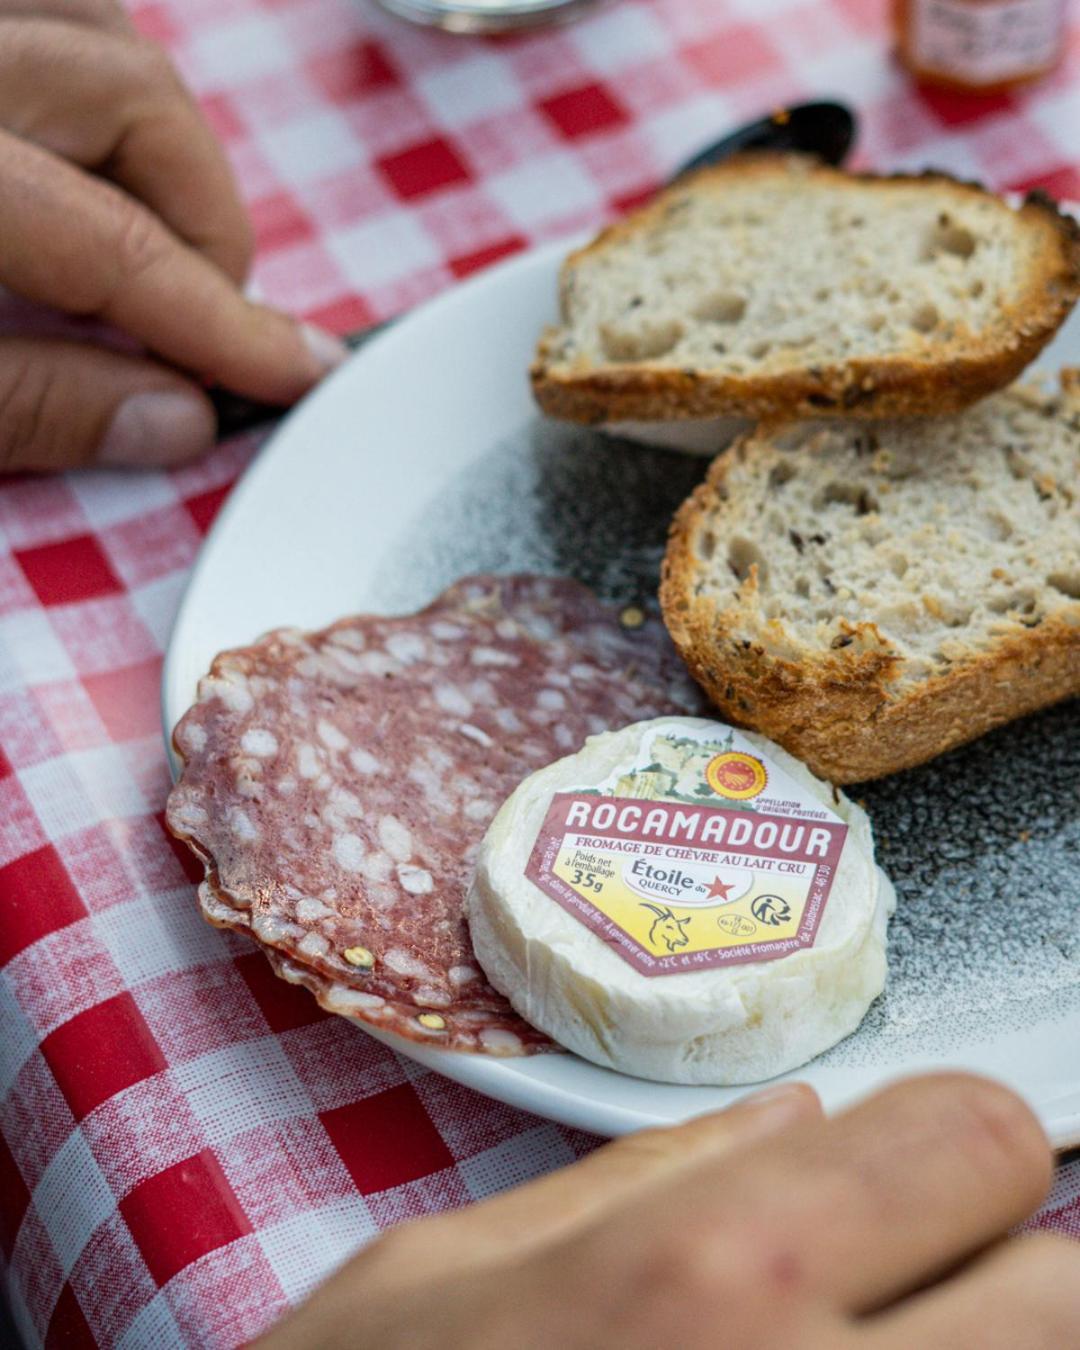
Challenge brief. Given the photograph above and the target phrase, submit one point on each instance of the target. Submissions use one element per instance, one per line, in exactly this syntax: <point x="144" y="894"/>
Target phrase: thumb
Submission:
<point x="66" y="404"/>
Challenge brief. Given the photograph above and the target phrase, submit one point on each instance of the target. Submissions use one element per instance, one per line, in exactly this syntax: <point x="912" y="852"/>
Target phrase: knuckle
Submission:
<point x="706" y="1262"/>
<point x="644" y="1148"/>
<point x="153" y="65"/>
<point x="244" y="243"/>
<point x="29" y="428"/>
<point x="232" y="246"/>
<point x="140" y="242"/>
<point x="755" y="1278"/>
<point x="682" y="1272"/>
<point x="108" y="15"/>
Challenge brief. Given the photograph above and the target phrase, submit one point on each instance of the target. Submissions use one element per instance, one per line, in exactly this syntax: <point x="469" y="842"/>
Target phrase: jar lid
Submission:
<point x="486" y="16"/>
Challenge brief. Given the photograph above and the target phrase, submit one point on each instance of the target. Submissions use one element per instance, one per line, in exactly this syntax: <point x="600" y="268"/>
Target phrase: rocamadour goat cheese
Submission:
<point x="683" y="901"/>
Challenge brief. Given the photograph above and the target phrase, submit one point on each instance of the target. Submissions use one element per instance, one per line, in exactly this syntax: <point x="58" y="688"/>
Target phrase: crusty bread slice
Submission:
<point x="776" y="286"/>
<point x="872" y="594"/>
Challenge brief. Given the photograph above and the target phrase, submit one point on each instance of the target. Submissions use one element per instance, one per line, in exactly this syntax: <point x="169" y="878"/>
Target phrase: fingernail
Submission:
<point x="327" y="350"/>
<point x="153" y="430"/>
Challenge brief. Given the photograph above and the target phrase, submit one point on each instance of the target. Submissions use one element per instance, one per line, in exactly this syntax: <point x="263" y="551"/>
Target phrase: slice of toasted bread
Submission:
<point x="872" y="594"/>
<point x="776" y="286"/>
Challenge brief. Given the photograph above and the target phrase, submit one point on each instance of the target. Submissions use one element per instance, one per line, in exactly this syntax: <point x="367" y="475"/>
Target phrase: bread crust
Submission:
<point x="838" y="710"/>
<point x="872" y="387"/>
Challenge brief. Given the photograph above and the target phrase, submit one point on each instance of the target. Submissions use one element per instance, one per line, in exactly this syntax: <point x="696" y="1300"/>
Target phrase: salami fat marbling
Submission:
<point x="337" y="785"/>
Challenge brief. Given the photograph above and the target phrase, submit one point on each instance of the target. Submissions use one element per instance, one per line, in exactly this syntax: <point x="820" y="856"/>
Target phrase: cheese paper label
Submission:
<point x="702" y="852"/>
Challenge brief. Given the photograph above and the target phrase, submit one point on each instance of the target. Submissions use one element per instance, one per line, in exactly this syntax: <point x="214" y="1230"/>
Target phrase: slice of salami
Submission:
<point x="494" y="1030"/>
<point x="337" y="784"/>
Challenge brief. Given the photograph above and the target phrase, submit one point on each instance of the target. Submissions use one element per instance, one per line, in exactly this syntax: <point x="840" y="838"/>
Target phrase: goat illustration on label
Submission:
<point x="666" y="929"/>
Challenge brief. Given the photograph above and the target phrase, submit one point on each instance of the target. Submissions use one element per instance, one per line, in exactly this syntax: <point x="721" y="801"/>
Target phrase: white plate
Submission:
<point x="422" y="459"/>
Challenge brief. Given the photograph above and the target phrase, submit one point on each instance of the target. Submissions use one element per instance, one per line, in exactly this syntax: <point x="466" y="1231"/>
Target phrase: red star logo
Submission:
<point x="719" y="889"/>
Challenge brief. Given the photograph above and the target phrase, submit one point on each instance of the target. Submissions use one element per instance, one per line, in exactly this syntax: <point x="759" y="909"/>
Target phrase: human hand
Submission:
<point x="117" y="203"/>
<point x="765" y="1226"/>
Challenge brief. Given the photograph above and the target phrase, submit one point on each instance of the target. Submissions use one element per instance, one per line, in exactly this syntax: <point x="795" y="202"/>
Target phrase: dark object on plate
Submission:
<point x="826" y="130"/>
<point x="823" y="129"/>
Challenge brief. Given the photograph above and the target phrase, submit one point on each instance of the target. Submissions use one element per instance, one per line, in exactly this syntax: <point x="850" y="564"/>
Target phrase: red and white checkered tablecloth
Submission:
<point x="187" y="1145"/>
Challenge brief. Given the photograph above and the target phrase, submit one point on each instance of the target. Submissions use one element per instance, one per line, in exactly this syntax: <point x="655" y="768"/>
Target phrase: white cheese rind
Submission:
<point x="694" y="436"/>
<point x="727" y="1025"/>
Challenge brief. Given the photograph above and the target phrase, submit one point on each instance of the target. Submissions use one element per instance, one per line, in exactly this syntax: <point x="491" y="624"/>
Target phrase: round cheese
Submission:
<point x="706" y="1018"/>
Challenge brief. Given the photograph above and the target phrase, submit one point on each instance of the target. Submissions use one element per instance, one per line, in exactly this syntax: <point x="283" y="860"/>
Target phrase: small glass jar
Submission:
<point x="486" y="16"/>
<point x="980" y="46"/>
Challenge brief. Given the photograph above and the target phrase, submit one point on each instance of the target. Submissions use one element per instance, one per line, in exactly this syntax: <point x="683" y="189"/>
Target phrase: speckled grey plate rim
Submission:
<point x="465" y="354"/>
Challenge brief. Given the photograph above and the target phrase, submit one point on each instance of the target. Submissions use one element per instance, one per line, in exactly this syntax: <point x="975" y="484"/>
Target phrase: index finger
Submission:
<point x="115" y="104"/>
<point x="107" y="256"/>
<point x="105" y="14"/>
<point x="502" y="1231"/>
<point x="884" y="1198"/>
<point x="544" y="1209"/>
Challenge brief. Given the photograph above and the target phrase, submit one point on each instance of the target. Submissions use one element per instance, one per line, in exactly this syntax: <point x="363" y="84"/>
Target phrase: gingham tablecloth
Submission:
<point x="188" y="1146"/>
